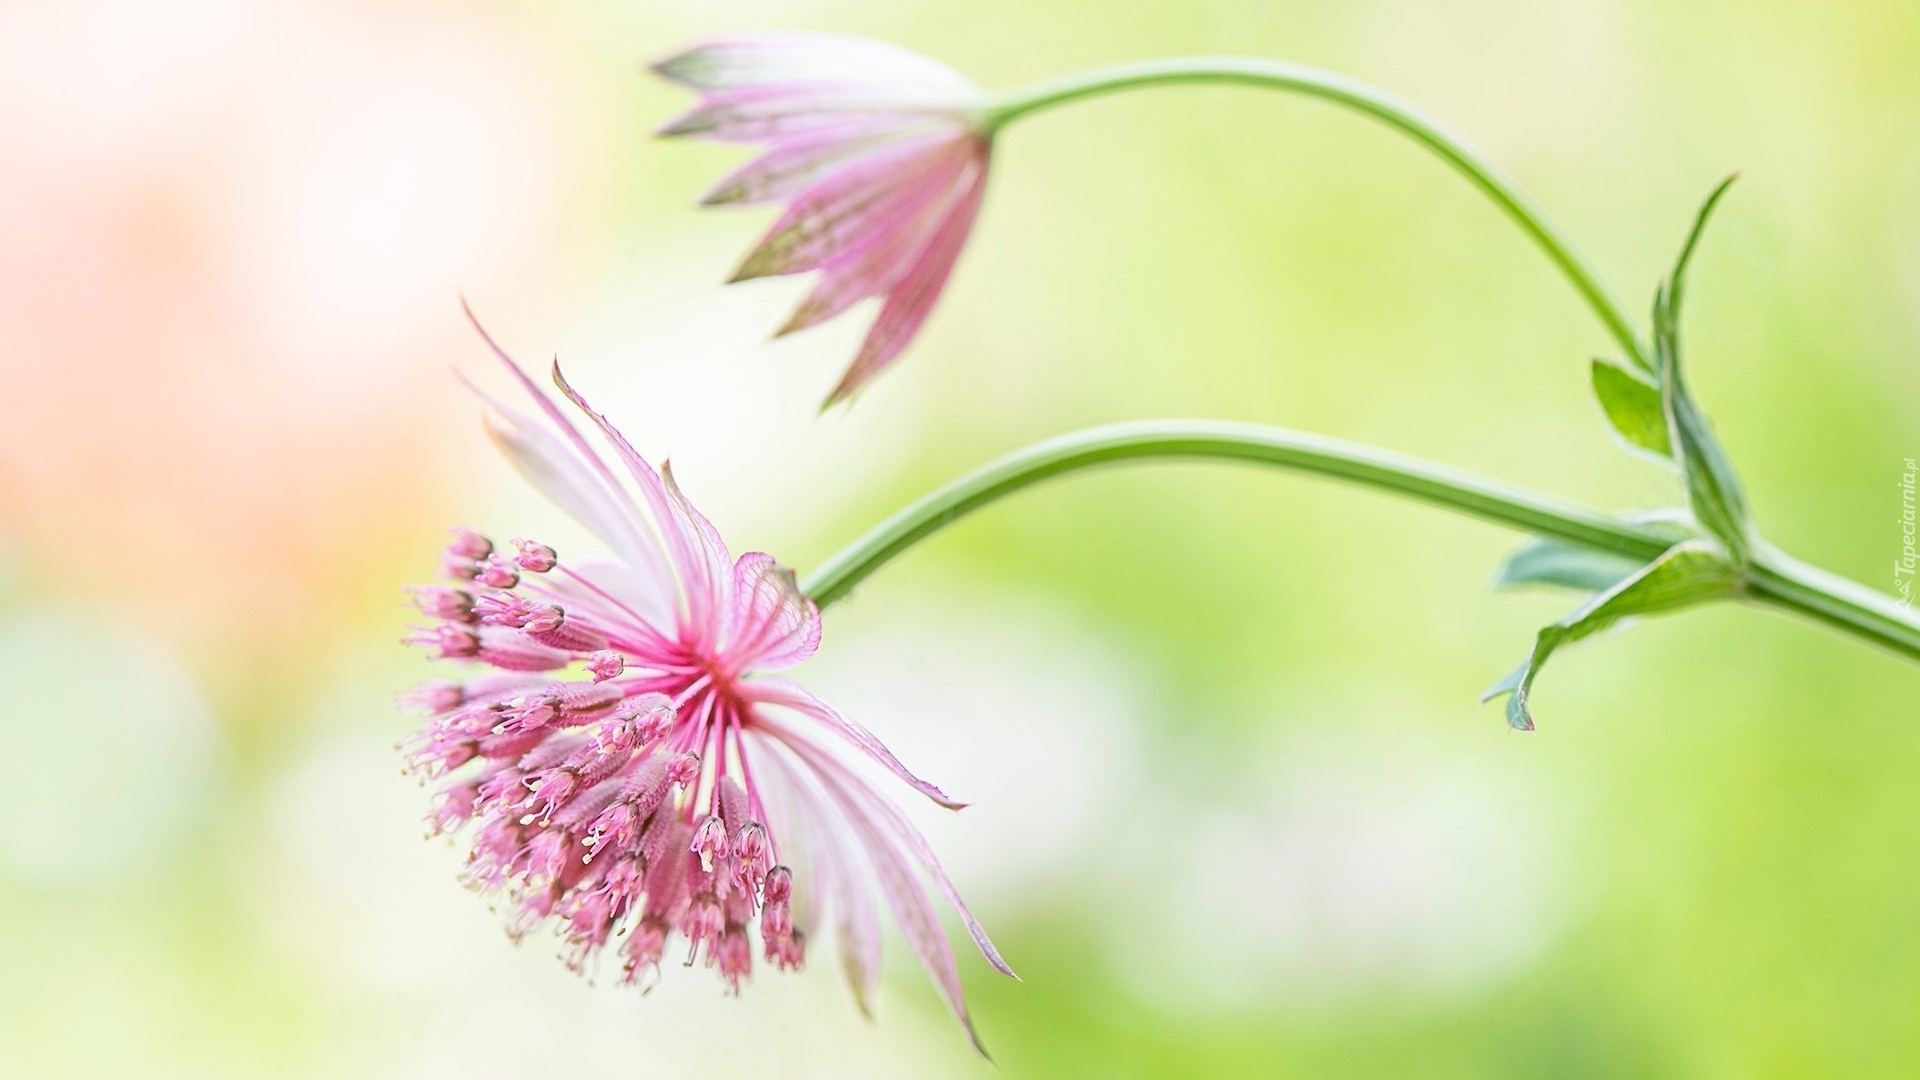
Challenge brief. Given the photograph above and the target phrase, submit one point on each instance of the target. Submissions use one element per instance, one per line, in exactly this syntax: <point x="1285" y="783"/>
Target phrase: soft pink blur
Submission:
<point x="228" y="317"/>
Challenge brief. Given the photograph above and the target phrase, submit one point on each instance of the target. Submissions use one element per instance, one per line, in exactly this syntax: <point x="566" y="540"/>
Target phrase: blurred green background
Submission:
<point x="1236" y="810"/>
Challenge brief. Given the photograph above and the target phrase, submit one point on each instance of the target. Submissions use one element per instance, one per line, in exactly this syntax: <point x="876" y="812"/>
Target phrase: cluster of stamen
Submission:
<point x="601" y="805"/>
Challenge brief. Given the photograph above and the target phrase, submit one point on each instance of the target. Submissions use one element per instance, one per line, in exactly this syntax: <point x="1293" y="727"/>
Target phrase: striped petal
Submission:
<point x="795" y="164"/>
<point x="857" y="206"/>
<point x="788" y="694"/>
<point x="873" y="269"/>
<point x="774" y="625"/>
<point x="910" y="302"/>
<point x="777" y="113"/>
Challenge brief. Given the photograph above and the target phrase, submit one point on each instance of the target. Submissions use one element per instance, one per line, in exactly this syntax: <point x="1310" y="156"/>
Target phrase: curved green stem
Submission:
<point x="1463" y="492"/>
<point x="1374" y="102"/>
<point x="1772" y="578"/>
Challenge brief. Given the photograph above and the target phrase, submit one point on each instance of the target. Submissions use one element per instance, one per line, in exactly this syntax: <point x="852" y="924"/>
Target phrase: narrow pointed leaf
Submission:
<point x="1550" y="562"/>
<point x="1687" y="574"/>
<point x="1713" y="488"/>
<point x="1632" y="406"/>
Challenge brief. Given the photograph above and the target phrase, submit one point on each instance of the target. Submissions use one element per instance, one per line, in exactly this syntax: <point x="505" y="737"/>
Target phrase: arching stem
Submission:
<point x="1774" y="579"/>
<point x="1362" y="97"/>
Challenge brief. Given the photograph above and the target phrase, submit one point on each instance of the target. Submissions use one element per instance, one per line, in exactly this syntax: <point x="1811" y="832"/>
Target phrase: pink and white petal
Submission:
<point x="842" y="885"/>
<point x="684" y="547"/>
<point x="559" y="474"/>
<point x="774" y="624"/>
<point x="793" y="164"/>
<point x="546" y="405"/>
<point x="858" y="205"/>
<point x="553" y="460"/>
<point x="715" y="572"/>
<point x="787" y="694"/>
<point x="779" y="113"/>
<point x="908" y="901"/>
<point x="909" y="839"/>
<point x="869" y="806"/>
<point x="747" y="60"/>
<point x="912" y="299"/>
<point x="921" y="927"/>
<point x="872" y="270"/>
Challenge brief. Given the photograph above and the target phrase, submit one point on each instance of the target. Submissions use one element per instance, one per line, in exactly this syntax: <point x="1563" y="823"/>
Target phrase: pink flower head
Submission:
<point x="626" y="767"/>
<point x="879" y="154"/>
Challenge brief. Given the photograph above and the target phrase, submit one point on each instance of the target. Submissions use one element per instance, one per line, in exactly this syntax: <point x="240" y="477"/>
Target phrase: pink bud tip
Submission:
<point x="538" y="558"/>
<point x="530" y="713"/>
<point x="704" y="920"/>
<point x="440" y="602"/>
<point x="469" y="545"/>
<point x="779" y="885"/>
<point x="787" y="953"/>
<point x="733" y="954"/>
<point x="438" y="696"/>
<point x="546" y="618"/>
<point x="776" y="921"/>
<point x="605" y="664"/>
<point x="497" y="573"/>
<point x="450" y="641"/>
<point x="645" y="946"/>
<point x="459" y="569"/>
<point x="505" y="609"/>
<point x="684" y="769"/>
<point x="709" y="841"/>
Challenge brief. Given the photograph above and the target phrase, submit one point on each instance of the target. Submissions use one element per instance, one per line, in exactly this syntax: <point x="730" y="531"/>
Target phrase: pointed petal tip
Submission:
<point x="809" y="313"/>
<point x="673" y="68"/>
<point x="492" y="345"/>
<point x="850" y="384"/>
<point x="757" y="264"/>
<point x="973" y="1036"/>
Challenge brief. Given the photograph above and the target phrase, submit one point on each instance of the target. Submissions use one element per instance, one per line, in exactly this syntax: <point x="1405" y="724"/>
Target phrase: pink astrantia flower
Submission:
<point x="879" y="154"/>
<point x="628" y="770"/>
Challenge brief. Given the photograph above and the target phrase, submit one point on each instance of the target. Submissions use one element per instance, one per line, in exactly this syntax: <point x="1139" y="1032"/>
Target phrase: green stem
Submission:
<point x="1463" y="492"/>
<point x="1772" y="578"/>
<point x="1779" y="580"/>
<point x="1374" y="102"/>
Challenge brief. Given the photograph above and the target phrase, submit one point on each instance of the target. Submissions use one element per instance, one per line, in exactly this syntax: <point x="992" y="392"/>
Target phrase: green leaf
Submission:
<point x="1689" y="573"/>
<point x="1713" y="488"/>
<point x="1551" y="562"/>
<point x="1633" y="408"/>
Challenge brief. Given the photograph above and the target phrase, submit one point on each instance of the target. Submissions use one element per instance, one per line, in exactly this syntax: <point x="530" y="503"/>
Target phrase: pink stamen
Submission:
<point x="497" y="573"/>
<point x="441" y="602"/>
<point x="469" y="545"/>
<point x="605" y="664"/>
<point x="538" y="558"/>
<point x="709" y="841"/>
<point x="448" y="641"/>
<point x="684" y="771"/>
<point x="434" y="697"/>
